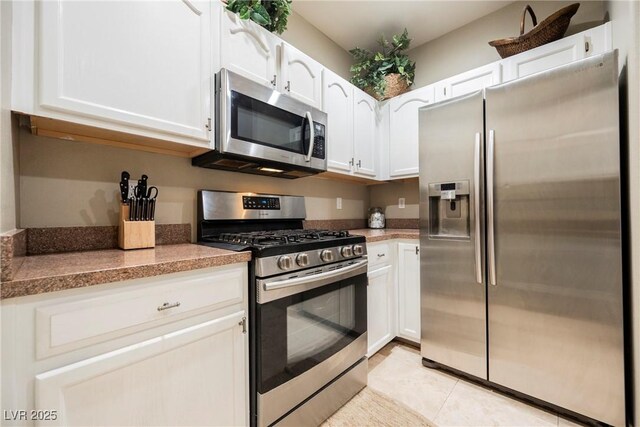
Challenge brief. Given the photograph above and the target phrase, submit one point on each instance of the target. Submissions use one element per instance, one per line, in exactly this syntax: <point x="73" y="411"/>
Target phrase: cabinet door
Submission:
<point x="248" y="49"/>
<point x="194" y="376"/>
<point x="301" y="76"/>
<point x="145" y="65"/>
<point x="364" y="133"/>
<point x="409" y="291"/>
<point x="381" y="309"/>
<point x="558" y="53"/>
<point x="469" y="81"/>
<point x="403" y="131"/>
<point x="338" y="104"/>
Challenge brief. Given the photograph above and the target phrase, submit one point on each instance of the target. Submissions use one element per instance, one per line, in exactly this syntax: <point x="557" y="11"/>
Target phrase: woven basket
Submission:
<point x="549" y="30"/>
<point x="395" y="85"/>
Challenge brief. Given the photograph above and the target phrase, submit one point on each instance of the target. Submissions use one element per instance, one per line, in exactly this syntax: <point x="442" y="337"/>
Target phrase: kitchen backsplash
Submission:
<point x="67" y="183"/>
<point x="386" y="196"/>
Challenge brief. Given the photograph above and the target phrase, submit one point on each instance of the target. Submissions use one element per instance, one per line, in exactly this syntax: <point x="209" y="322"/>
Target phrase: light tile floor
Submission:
<point x="446" y="400"/>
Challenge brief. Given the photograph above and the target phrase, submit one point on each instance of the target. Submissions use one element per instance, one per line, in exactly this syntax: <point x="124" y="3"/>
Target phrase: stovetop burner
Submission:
<point x="261" y="239"/>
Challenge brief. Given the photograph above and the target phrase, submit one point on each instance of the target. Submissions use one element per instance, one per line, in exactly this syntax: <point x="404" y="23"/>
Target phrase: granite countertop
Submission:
<point x="387" y="234"/>
<point x="55" y="272"/>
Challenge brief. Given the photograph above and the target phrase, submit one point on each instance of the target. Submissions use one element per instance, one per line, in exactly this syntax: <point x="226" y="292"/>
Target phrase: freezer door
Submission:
<point x="453" y="303"/>
<point x="555" y="295"/>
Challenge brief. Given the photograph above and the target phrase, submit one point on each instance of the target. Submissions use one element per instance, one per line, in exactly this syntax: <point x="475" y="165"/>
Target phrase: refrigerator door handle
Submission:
<point x="490" y="229"/>
<point x="476" y="203"/>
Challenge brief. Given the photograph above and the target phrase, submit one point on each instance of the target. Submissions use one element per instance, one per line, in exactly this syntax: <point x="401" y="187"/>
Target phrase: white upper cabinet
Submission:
<point x="338" y="104"/>
<point x="301" y="76"/>
<point x="364" y="133"/>
<point x="137" y="67"/>
<point x="563" y="51"/>
<point x="248" y="49"/>
<point x="403" y="131"/>
<point x="469" y="81"/>
<point x="383" y="140"/>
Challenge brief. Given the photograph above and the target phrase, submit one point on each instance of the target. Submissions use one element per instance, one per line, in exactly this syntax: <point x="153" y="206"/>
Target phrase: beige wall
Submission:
<point x="466" y="48"/>
<point x="65" y="183"/>
<point x="386" y="196"/>
<point x="625" y="20"/>
<point x="8" y="135"/>
<point x="304" y="36"/>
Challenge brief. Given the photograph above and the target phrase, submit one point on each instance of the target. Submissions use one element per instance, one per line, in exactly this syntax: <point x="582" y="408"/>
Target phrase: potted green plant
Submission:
<point x="271" y="14"/>
<point x="386" y="73"/>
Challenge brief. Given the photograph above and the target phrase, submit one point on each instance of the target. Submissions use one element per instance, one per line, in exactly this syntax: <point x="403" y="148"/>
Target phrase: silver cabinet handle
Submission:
<point x="490" y="227"/>
<point x="476" y="209"/>
<point x="312" y="135"/>
<point x="167" y="306"/>
<point x="380" y="255"/>
<point x="359" y="163"/>
<point x="288" y="86"/>
<point x="274" y="81"/>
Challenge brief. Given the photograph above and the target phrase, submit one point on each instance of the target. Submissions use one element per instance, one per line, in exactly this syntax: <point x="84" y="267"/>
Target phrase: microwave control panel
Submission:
<point x="319" y="144"/>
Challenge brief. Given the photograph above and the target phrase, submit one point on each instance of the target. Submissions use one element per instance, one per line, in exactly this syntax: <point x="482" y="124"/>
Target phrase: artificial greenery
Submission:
<point x="271" y="14"/>
<point x="370" y="68"/>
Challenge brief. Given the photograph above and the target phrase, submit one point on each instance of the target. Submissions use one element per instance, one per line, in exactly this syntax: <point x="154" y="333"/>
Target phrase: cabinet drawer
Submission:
<point x="379" y="255"/>
<point x="66" y="326"/>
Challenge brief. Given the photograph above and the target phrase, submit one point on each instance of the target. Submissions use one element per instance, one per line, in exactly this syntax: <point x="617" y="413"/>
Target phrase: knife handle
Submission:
<point x="132" y="208"/>
<point x="152" y="209"/>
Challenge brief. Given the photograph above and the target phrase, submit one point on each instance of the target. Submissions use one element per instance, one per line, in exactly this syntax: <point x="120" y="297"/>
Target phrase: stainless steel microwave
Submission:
<point x="262" y="131"/>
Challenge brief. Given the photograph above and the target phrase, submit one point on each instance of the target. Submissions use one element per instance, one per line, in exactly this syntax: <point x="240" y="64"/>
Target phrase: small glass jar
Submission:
<point x="376" y="218"/>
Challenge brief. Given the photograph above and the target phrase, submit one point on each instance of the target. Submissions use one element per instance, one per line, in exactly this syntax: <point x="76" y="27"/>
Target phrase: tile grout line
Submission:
<point x="445" y="400"/>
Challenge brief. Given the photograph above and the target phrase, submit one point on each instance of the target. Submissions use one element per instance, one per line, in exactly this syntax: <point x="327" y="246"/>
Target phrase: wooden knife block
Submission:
<point x="135" y="234"/>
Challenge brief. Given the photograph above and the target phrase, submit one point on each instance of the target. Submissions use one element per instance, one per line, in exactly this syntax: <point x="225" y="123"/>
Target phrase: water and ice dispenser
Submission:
<point x="449" y="210"/>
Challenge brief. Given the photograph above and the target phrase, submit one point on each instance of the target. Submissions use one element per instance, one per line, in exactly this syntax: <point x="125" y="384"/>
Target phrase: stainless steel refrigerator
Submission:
<point x="521" y="260"/>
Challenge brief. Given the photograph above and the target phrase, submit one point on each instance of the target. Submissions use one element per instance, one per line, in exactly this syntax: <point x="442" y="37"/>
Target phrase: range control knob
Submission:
<point x="302" y="260"/>
<point x="326" y="255"/>
<point x="346" y="251"/>
<point x="358" y="250"/>
<point x="285" y="262"/>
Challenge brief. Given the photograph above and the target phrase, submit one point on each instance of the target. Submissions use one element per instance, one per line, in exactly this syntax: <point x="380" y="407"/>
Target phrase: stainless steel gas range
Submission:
<point x="308" y="305"/>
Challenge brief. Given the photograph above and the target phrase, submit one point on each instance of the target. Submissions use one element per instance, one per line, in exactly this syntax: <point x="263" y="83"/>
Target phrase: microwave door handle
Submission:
<point x="312" y="136"/>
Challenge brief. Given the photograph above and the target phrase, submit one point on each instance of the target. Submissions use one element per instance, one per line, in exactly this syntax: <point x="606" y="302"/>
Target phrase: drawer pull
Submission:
<point x="380" y="255"/>
<point x="167" y="306"/>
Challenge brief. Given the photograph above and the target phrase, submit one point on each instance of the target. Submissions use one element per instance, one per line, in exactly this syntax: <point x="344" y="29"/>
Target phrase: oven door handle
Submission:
<point x="342" y="273"/>
<point x="270" y="290"/>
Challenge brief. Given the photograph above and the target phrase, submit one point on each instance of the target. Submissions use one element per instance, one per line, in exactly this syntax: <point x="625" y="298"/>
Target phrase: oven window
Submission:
<point x="261" y="123"/>
<point x="300" y="331"/>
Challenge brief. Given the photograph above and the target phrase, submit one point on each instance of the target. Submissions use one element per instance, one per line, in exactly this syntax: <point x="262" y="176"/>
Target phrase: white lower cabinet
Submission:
<point x="409" y="291"/>
<point x="166" y="350"/>
<point x="193" y="376"/>
<point x="393" y="294"/>
<point x="381" y="309"/>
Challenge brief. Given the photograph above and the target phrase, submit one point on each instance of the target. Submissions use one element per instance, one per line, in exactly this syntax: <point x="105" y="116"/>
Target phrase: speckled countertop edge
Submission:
<point x="38" y="274"/>
<point x="377" y="235"/>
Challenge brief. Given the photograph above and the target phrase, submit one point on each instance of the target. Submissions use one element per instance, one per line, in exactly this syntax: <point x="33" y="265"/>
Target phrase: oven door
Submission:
<point x="309" y="330"/>
<point x="259" y="122"/>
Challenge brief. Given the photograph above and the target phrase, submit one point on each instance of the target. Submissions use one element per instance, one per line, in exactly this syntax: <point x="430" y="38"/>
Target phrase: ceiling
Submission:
<point x="352" y="23"/>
